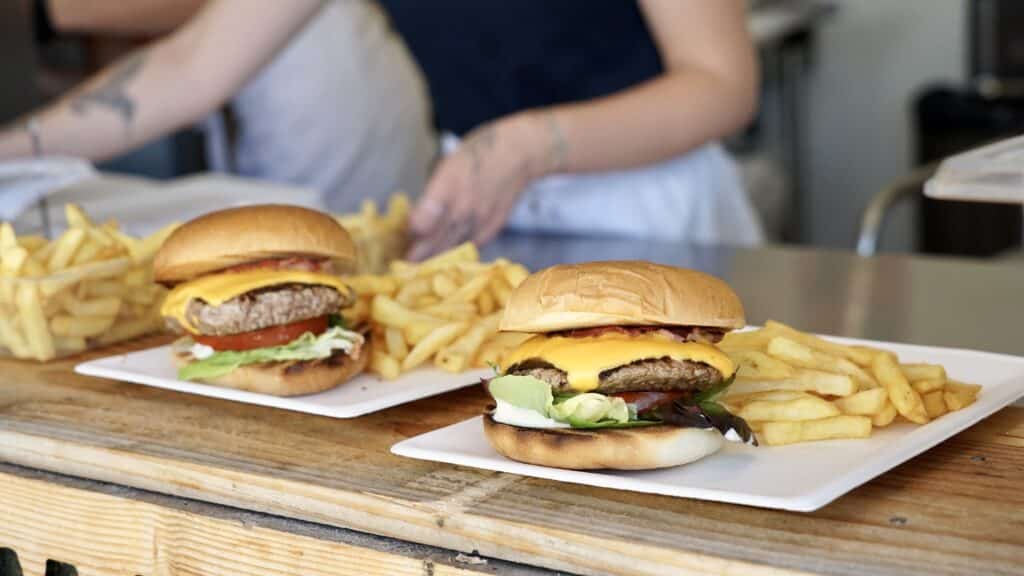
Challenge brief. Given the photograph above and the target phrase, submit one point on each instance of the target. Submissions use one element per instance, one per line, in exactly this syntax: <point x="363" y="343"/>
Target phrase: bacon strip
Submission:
<point x="678" y="333"/>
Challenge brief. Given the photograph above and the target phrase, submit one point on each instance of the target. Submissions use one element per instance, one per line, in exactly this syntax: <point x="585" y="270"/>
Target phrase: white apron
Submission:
<point x="696" y="198"/>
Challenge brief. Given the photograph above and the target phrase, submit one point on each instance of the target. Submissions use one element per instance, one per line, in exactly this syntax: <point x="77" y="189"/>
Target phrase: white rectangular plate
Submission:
<point x="800" y="477"/>
<point x="361" y="395"/>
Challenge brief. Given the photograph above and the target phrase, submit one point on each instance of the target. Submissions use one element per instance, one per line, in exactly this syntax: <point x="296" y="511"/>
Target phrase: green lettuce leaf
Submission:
<point x="305" y="347"/>
<point x="588" y="410"/>
<point x="523" y="392"/>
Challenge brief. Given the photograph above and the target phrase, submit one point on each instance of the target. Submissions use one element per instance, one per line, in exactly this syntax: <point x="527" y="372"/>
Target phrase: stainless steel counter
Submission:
<point x="921" y="300"/>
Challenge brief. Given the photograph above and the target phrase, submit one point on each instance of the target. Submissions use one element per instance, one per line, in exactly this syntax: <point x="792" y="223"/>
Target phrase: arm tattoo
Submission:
<point x="110" y="93"/>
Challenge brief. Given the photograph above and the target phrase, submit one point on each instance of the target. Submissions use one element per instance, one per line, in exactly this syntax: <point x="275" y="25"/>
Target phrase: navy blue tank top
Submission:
<point x="487" y="58"/>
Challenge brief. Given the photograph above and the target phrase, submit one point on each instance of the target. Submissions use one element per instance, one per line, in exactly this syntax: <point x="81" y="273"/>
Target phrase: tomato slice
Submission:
<point x="645" y="401"/>
<point x="272" y="336"/>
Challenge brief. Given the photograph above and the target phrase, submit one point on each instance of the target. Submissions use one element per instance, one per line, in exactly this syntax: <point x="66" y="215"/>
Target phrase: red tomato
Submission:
<point x="273" y="336"/>
<point x="304" y="264"/>
<point x="645" y="401"/>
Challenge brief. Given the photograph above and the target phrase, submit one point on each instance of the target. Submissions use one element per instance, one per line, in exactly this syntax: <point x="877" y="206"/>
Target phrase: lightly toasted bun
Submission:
<point x="235" y="236"/>
<point x="273" y="377"/>
<point x="620" y="293"/>
<point x="609" y="449"/>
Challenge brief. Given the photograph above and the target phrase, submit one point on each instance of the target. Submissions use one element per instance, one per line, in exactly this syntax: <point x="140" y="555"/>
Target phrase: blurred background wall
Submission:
<point x="873" y="58"/>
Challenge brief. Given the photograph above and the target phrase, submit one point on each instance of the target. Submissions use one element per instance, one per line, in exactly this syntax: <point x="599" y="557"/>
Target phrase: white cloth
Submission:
<point x="342" y="109"/>
<point x="695" y="198"/>
<point x="25" y="182"/>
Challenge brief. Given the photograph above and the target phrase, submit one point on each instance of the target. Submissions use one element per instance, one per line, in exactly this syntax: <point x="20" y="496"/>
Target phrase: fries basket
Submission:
<point x="78" y="309"/>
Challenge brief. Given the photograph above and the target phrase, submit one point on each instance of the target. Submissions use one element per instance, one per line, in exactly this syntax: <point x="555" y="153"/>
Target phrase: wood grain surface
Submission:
<point x="101" y="534"/>
<point x="956" y="509"/>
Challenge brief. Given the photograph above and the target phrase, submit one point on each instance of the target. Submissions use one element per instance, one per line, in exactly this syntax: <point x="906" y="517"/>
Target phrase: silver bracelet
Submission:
<point x="32" y="127"/>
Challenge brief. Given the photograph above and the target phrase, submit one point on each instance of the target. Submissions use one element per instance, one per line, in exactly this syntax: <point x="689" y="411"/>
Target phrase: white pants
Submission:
<point x="695" y="198"/>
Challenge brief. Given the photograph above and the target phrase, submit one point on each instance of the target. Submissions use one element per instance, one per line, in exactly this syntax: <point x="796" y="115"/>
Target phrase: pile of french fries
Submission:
<point x="792" y="387"/>
<point x="445" y="309"/>
<point x="91" y="286"/>
<point x="379" y="238"/>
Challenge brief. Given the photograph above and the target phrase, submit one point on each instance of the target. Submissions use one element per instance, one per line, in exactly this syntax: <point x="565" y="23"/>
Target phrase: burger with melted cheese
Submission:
<point x="256" y="295"/>
<point x="622" y="371"/>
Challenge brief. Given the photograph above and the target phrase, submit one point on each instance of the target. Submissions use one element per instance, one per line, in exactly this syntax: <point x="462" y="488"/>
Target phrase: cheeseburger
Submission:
<point x="622" y="371"/>
<point x="257" y="299"/>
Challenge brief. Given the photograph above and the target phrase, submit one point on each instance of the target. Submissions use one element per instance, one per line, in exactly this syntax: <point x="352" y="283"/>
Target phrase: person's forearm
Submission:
<point x="167" y="85"/>
<point x="131" y="18"/>
<point x="660" y="119"/>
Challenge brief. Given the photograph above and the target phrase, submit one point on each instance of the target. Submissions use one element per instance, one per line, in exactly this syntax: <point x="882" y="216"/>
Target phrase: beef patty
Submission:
<point x="263" y="308"/>
<point x="658" y="375"/>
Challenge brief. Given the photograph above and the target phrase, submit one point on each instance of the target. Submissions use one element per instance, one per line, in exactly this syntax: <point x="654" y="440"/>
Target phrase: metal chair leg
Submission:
<point x="873" y="218"/>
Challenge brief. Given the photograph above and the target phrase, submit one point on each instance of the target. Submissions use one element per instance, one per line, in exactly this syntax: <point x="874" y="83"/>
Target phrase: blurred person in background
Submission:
<point x="624" y="99"/>
<point x="323" y="95"/>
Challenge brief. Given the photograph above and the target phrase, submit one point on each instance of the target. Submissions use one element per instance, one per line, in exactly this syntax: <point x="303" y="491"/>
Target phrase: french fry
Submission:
<point x="466" y="252"/>
<point x="799" y="354"/>
<point x="866" y="403"/>
<point x="502" y="292"/>
<point x="109" y="306"/>
<point x="443" y="285"/>
<point x="514" y="274"/>
<point x="917" y="372"/>
<point x="843" y="426"/>
<point x="127" y="329"/>
<point x="752" y="339"/>
<point x="926" y="386"/>
<point x="11" y="337"/>
<point x="385" y="365"/>
<point x="395" y="343"/>
<point x="372" y="285"/>
<point x="459" y="355"/>
<point x="959" y="395"/>
<point x="452" y="310"/>
<point x="485" y="302"/>
<point x="907" y="401"/>
<point x="12" y="260"/>
<point x="67" y="245"/>
<point x="33" y="322"/>
<point x="414" y="333"/>
<point x="807" y="408"/>
<point x="358" y="312"/>
<point x="859" y="355"/>
<point x="934" y="403"/>
<point x="32" y="243"/>
<point x="76" y="218"/>
<point x="471" y="290"/>
<point x="431" y="343"/>
<point x="824" y="383"/>
<point x="757" y="365"/>
<point x="388" y="312"/>
<point x="82" y="326"/>
<point x="771" y="395"/>
<point x="103" y="288"/>
<point x="885" y="417"/>
<point x="426" y="301"/>
<point x="69" y="344"/>
<point x="412" y="290"/>
<point x="8" y="239"/>
<point x="492" y="352"/>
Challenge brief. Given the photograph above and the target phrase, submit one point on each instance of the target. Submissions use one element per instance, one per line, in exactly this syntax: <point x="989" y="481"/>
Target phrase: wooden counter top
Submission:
<point x="958" y="508"/>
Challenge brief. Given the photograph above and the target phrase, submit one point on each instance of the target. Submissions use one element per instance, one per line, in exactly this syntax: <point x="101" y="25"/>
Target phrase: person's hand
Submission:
<point x="473" y="190"/>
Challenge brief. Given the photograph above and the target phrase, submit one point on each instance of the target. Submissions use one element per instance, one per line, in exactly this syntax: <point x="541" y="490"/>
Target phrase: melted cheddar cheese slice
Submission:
<point x="217" y="289"/>
<point x="583" y="359"/>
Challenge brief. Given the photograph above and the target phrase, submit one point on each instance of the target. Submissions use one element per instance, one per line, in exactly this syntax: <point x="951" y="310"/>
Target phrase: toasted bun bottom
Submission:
<point x="289" y="378"/>
<point x="614" y="449"/>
